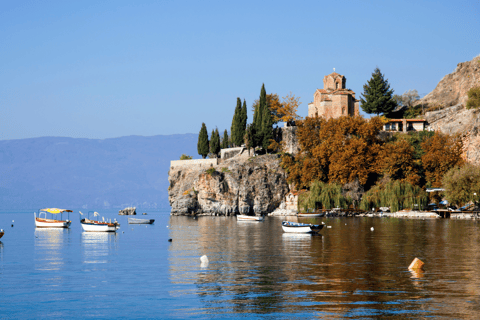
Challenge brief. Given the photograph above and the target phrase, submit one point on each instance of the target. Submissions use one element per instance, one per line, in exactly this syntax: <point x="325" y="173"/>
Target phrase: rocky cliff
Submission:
<point x="247" y="185"/>
<point x="452" y="89"/>
<point x="454" y="118"/>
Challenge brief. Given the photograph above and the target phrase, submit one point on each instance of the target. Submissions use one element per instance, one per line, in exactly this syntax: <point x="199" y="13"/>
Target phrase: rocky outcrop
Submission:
<point x="454" y="118"/>
<point x="452" y="89"/>
<point x="255" y="185"/>
<point x="128" y="211"/>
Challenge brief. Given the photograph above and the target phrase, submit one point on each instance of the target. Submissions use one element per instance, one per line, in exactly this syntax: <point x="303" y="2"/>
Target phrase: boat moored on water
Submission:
<point x="89" y="225"/>
<point x="45" y="222"/>
<point x="297" y="227"/>
<point x="310" y="214"/>
<point x="243" y="217"/>
<point x="140" y="221"/>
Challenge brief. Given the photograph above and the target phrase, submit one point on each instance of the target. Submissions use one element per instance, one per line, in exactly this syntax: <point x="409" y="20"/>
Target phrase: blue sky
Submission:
<point x="102" y="69"/>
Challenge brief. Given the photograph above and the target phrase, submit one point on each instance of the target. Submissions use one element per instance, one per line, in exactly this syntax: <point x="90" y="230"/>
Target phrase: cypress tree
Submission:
<point x="377" y="96"/>
<point x="236" y="124"/>
<point x="202" y="145"/>
<point x="243" y="123"/>
<point x="215" y="142"/>
<point x="225" y="140"/>
<point x="257" y="117"/>
<point x="267" y="130"/>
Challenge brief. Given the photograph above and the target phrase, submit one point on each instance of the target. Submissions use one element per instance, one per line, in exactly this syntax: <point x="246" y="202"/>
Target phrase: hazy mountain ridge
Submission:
<point x="89" y="173"/>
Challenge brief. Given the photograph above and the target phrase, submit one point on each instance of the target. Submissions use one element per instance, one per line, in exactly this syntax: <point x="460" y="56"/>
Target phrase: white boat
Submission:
<point x="98" y="226"/>
<point x="51" y="223"/>
<point x="310" y="214"/>
<point x="140" y="221"/>
<point x="297" y="227"/>
<point x="243" y="217"/>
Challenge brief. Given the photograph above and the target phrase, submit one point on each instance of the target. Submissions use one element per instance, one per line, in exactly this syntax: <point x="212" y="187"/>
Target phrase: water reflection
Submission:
<point x="96" y="246"/>
<point x="347" y="271"/>
<point x="49" y="246"/>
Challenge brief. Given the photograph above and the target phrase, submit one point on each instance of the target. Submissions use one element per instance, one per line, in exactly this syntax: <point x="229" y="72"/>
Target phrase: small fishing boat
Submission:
<point x="1" y="233"/>
<point x="297" y="227"/>
<point x="98" y="226"/>
<point x="52" y="223"/>
<point x="140" y="221"/>
<point x="243" y="217"/>
<point x="310" y="214"/>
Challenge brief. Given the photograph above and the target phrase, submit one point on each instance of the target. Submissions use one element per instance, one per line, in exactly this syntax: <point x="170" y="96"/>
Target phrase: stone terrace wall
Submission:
<point x="196" y="163"/>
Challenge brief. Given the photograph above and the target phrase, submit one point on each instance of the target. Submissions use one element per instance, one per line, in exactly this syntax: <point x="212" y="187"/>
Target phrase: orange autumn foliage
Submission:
<point x="335" y="150"/>
<point x="397" y="160"/>
<point x="442" y="152"/>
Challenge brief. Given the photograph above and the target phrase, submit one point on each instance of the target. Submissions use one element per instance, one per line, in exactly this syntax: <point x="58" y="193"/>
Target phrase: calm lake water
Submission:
<point x="254" y="270"/>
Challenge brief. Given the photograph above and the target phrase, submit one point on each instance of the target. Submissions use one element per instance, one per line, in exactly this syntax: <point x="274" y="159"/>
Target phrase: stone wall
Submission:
<point x="289" y="137"/>
<point x="196" y="163"/>
<point x="229" y="153"/>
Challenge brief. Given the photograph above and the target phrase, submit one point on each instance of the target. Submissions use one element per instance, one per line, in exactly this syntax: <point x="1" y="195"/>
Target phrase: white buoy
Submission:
<point x="13" y="221"/>
<point x="204" y="261"/>
<point x="371" y="229"/>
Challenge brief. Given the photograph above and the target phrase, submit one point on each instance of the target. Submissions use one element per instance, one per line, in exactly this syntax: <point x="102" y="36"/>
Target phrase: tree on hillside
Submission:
<point x="257" y="117"/>
<point x="442" y="152"/>
<point x="243" y="121"/>
<point x="462" y="184"/>
<point x="249" y="137"/>
<point x="215" y="143"/>
<point x="236" y="128"/>
<point x="377" y="96"/>
<point x="267" y="128"/>
<point x="285" y="111"/>
<point x="203" y="146"/>
<point x="225" y="143"/>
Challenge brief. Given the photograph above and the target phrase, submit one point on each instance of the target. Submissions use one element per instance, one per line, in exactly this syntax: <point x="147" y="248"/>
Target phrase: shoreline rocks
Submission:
<point x="130" y="211"/>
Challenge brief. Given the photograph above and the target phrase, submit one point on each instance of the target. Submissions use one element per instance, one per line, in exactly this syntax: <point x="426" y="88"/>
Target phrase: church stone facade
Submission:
<point x="334" y="100"/>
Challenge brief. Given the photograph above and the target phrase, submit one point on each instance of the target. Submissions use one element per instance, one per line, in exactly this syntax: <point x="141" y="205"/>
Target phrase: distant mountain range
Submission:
<point x="89" y="173"/>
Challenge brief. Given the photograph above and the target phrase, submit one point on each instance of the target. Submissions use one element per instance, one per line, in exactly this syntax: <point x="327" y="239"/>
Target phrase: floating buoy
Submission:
<point x="371" y="229"/>
<point x="12" y="225"/>
<point x="204" y="261"/>
<point x="416" y="264"/>
<point x="13" y="221"/>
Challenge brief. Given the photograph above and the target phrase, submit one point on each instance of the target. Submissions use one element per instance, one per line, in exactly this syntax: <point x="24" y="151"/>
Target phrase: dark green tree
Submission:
<point x="257" y="117"/>
<point x="377" y="96"/>
<point x="215" y="142"/>
<point x="267" y="128"/>
<point x="203" y="145"/>
<point x="235" y="130"/>
<point x="225" y="143"/>
<point x="249" y="137"/>
<point x="243" y="120"/>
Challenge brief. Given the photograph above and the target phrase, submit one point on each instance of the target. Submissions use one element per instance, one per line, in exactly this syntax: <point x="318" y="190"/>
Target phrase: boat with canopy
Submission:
<point x="45" y="222"/>
<point x="98" y="226"/>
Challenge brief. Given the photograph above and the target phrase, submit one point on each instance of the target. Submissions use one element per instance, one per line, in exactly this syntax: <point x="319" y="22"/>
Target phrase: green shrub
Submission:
<point x="324" y="195"/>
<point x="473" y="101"/>
<point x="210" y="171"/>
<point x="224" y="169"/>
<point x="185" y="157"/>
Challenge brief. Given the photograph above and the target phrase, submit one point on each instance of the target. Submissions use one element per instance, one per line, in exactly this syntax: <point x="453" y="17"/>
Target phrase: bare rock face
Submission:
<point x="254" y="185"/>
<point x="452" y="89"/>
<point x="128" y="211"/>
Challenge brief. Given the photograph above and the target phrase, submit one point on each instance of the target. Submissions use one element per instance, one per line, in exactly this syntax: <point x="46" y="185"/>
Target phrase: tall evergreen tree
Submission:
<point x="243" y="122"/>
<point x="236" y="124"/>
<point x="225" y="142"/>
<point x="267" y="130"/>
<point x="249" y="137"/>
<point x="257" y="117"/>
<point x="377" y="96"/>
<point x="203" y="145"/>
<point x="215" y="142"/>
